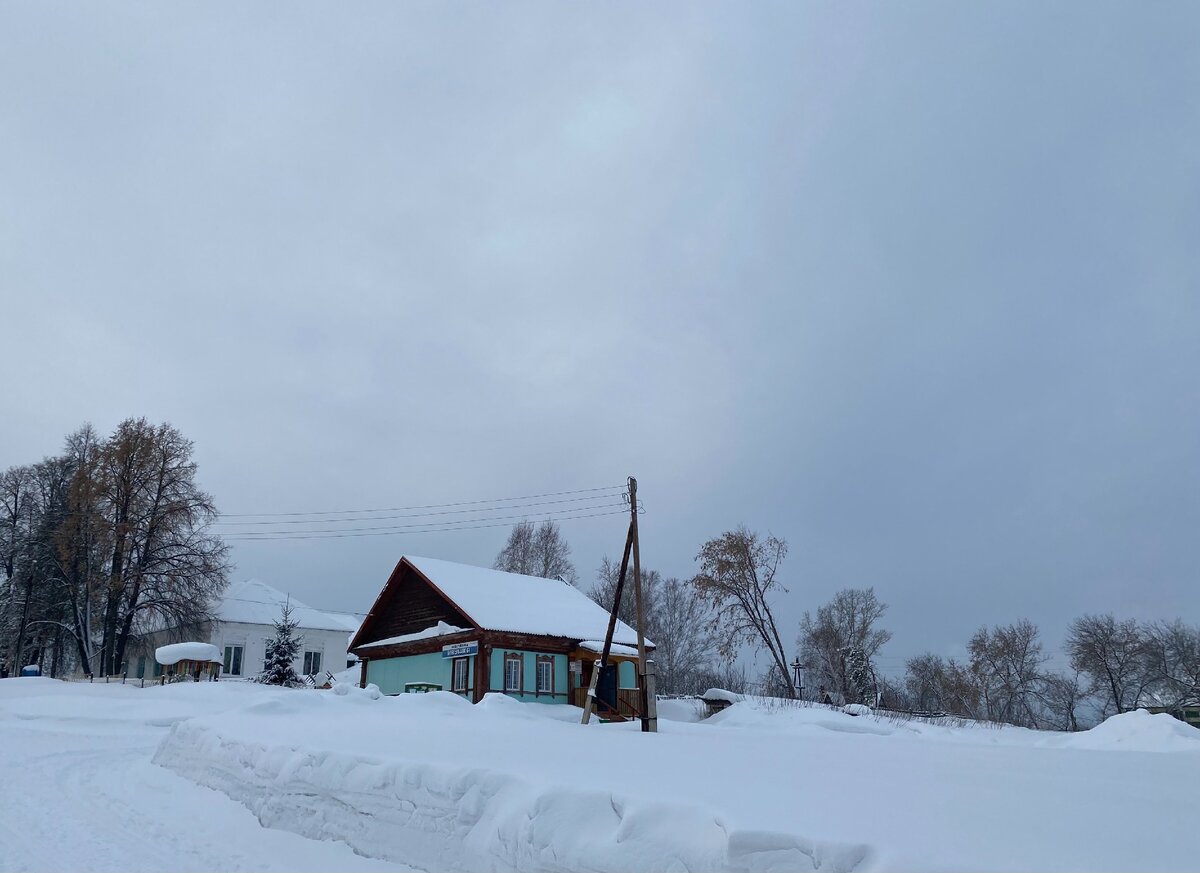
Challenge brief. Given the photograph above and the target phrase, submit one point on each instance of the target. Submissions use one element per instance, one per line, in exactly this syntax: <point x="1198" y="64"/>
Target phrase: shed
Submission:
<point x="190" y="659"/>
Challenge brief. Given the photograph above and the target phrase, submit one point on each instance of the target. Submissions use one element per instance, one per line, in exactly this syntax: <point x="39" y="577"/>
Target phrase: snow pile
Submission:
<point x="176" y="652"/>
<point x="722" y="694"/>
<point x="685" y="709"/>
<point x="795" y="717"/>
<point x="1137" y="731"/>
<point x="407" y="788"/>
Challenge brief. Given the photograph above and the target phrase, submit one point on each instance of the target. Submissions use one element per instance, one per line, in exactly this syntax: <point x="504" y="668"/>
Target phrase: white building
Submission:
<point x="245" y="622"/>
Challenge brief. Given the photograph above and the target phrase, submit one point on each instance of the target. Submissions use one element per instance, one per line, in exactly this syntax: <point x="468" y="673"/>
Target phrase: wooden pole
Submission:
<point x="602" y="662"/>
<point x="645" y="671"/>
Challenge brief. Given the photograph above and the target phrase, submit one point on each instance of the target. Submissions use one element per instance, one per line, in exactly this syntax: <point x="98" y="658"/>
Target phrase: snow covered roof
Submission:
<point x="255" y="602"/>
<point x="501" y="601"/>
<point x="349" y="620"/>
<point x="440" y="629"/>
<point x="176" y="652"/>
<point x="597" y="646"/>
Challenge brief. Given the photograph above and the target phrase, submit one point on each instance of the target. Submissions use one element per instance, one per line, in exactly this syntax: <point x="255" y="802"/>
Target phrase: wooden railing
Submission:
<point x="628" y="703"/>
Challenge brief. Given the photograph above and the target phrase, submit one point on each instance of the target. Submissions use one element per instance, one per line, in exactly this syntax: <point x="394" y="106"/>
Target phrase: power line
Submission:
<point x="266" y="534"/>
<point x="481" y="509"/>
<point x="502" y="521"/>
<point x="615" y="488"/>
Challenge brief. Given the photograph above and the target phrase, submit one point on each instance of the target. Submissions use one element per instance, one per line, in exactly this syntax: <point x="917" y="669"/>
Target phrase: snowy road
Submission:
<point x="82" y="795"/>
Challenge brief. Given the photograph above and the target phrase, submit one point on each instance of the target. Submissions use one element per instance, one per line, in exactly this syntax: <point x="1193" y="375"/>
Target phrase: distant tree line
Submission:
<point x="702" y="625"/>
<point x="106" y="539"/>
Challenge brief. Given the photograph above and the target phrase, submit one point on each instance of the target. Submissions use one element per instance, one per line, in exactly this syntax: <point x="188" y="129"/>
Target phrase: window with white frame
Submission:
<point x="312" y="663"/>
<point x="460" y="673"/>
<point x="233" y="661"/>
<point x="545" y="674"/>
<point x="513" y="670"/>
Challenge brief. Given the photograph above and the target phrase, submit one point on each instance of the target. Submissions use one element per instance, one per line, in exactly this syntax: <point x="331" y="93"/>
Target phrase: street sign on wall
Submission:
<point x="460" y="650"/>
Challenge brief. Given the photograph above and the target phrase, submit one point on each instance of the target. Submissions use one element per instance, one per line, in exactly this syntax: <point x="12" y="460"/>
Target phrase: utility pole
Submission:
<point x="645" y="667"/>
<point x="600" y="663"/>
<point x="646" y="678"/>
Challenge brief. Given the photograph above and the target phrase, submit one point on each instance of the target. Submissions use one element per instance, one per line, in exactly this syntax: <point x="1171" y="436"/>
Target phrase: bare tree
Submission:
<point x="1062" y="695"/>
<point x="115" y="539"/>
<point x="16" y="522"/>
<point x="726" y="675"/>
<point x="1007" y="663"/>
<point x="682" y="633"/>
<point x="847" y="622"/>
<point x="1172" y="659"/>
<point x="738" y="575"/>
<point x="677" y="622"/>
<point x="604" y="589"/>
<point x="82" y="542"/>
<point x="1112" y="654"/>
<point x="925" y="682"/>
<point x="539" y="550"/>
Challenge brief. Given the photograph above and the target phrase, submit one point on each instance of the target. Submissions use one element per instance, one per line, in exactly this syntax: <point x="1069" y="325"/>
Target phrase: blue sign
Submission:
<point x="460" y="650"/>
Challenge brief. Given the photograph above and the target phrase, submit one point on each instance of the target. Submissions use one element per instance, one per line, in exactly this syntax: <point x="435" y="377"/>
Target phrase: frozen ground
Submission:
<point x="431" y="781"/>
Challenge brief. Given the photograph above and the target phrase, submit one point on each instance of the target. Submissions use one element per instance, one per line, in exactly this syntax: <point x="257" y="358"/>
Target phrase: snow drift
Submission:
<point x="450" y="816"/>
<point x="1137" y="731"/>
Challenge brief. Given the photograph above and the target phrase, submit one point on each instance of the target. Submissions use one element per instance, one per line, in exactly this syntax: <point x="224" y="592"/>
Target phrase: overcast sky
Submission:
<point x="915" y="286"/>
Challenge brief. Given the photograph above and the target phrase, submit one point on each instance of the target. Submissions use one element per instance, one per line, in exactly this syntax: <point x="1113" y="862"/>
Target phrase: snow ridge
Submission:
<point x="445" y="818"/>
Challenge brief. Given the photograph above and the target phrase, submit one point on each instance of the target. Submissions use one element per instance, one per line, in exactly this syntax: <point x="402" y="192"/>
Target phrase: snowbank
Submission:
<point x="1137" y="731"/>
<point x="685" y="709"/>
<point x="444" y="811"/>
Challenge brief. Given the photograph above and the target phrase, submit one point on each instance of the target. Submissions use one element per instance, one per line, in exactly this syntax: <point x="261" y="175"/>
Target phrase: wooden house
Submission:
<point x="439" y="625"/>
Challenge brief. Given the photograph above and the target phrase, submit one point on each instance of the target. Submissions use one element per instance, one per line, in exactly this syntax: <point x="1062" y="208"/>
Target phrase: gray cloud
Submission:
<point x="914" y="288"/>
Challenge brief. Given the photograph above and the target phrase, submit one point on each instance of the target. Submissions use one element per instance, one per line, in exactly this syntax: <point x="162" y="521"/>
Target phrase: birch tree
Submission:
<point x="737" y="579"/>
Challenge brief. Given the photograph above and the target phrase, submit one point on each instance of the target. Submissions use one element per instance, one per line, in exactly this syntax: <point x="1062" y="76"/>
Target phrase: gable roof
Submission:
<point x="256" y="602"/>
<point x="498" y="601"/>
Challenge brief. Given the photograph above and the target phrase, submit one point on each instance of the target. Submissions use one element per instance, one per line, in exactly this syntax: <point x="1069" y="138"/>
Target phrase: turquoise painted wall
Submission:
<point x="529" y="691"/>
<point x="391" y="674"/>
<point x="626" y="674"/>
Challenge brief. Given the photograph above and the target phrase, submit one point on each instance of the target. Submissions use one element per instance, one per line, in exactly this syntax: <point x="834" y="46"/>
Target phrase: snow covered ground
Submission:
<point x="179" y="778"/>
<point x="78" y="790"/>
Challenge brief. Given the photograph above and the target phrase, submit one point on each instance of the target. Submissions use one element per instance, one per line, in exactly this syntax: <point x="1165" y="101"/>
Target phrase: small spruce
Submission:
<point x="282" y="651"/>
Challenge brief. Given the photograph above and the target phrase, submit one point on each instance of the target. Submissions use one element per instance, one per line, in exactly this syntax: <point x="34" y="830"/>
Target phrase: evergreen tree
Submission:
<point x="282" y="651"/>
<point x="858" y="670"/>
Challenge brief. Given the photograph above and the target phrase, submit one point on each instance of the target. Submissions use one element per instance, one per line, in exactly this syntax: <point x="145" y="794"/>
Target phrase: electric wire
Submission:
<point x="615" y="488"/>
<point x="482" y="509"/>
<point x="335" y="533"/>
